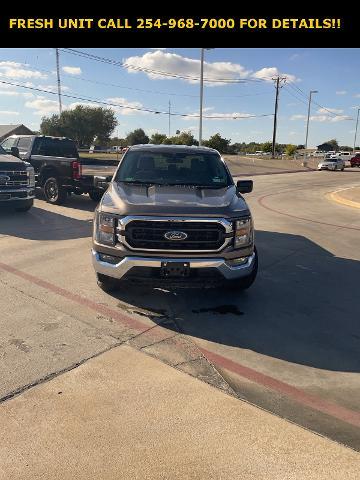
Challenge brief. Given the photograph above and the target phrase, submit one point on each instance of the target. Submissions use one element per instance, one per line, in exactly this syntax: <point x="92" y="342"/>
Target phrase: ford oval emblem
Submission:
<point x="175" y="235"/>
<point x="4" y="179"/>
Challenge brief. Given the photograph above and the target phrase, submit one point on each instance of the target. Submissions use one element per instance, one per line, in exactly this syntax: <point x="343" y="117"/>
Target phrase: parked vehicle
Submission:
<point x="355" y="161"/>
<point x="172" y="215"/>
<point x="343" y="155"/>
<point x="17" y="182"/>
<point x="332" y="164"/>
<point x="59" y="170"/>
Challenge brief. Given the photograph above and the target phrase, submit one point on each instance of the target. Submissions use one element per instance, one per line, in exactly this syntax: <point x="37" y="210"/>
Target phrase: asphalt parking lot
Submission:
<point x="289" y="345"/>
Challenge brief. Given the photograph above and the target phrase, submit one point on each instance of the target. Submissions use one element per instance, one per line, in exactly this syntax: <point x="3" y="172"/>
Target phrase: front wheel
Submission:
<point x="54" y="193"/>
<point x="108" y="284"/>
<point x="96" y="195"/>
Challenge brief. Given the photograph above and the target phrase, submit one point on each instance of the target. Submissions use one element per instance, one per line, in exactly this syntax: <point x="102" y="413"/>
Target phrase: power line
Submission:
<point x="295" y="87"/>
<point x="118" y="105"/>
<point x="157" y="92"/>
<point x="156" y="72"/>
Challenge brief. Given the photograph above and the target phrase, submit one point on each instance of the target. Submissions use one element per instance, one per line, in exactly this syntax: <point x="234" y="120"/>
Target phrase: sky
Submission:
<point x="239" y="83"/>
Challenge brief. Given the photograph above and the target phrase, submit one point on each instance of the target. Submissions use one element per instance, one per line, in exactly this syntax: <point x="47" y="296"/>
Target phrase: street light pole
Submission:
<point x="356" y="129"/>
<point x="169" y="116"/>
<point x="308" y="118"/>
<point x="201" y="93"/>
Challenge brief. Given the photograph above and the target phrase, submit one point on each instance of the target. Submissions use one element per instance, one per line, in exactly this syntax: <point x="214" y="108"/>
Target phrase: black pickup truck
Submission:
<point x="59" y="170"/>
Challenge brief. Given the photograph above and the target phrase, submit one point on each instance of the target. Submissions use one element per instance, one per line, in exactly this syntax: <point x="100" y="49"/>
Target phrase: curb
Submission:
<point x="336" y="197"/>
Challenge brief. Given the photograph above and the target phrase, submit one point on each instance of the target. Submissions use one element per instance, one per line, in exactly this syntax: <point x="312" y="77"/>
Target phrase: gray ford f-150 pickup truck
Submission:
<point x="172" y="215"/>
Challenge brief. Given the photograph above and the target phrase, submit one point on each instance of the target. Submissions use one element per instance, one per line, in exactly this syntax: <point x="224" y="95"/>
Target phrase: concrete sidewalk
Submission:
<point x="125" y="415"/>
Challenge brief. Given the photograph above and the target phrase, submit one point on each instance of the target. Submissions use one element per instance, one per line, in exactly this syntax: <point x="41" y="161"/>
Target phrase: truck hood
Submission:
<point x="164" y="200"/>
<point x="9" y="162"/>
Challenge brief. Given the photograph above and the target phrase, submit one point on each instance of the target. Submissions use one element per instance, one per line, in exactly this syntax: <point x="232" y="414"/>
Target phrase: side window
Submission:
<point x="24" y="144"/>
<point x="8" y="143"/>
<point x="37" y="146"/>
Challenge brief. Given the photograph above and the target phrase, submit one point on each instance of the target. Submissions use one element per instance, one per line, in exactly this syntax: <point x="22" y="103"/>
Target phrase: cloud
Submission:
<point x="72" y="70"/>
<point x="341" y="92"/>
<point x="15" y="93"/>
<point x="357" y="95"/>
<point x="269" y="73"/>
<point x="298" y="117"/>
<point x="8" y="112"/>
<point x="15" y="70"/>
<point x="184" y="66"/>
<point x="328" y="118"/>
<point x="125" y="104"/>
<point x="327" y="110"/>
<point x="294" y="56"/>
<point x="53" y="88"/>
<point x="324" y="115"/>
<point x="221" y="116"/>
<point x="43" y="106"/>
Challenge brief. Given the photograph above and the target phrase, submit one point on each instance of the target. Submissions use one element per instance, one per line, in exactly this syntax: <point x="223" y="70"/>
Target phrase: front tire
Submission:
<point x="96" y="195"/>
<point x="107" y="284"/>
<point x="54" y="193"/>
<point x="26" y="207"/>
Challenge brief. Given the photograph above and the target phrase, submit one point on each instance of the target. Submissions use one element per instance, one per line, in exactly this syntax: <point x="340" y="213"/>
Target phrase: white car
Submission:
<point x="332" y="164"/>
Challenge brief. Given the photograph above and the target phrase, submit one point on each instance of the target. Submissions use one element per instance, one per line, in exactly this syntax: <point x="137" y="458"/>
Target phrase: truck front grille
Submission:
<point x="200" y="236"/>
<point x="11" y="179"/>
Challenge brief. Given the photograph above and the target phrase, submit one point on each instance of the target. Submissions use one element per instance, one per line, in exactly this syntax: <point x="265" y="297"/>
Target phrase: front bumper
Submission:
<point x="12" y="196"/>
<point x="126" y="264"/>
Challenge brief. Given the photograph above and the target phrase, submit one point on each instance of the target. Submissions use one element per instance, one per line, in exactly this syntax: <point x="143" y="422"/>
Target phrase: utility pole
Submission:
<point x="356" y="129"/>
<point x="278" y="79"/>
<point x="58" y="79"/>
<point x="308" y="118"/>
<point x="169" y="115"/>
<point x="201" y="94"/>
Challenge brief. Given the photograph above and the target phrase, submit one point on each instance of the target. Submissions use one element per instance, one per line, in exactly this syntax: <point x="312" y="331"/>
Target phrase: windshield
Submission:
<point x="173" y="168"/>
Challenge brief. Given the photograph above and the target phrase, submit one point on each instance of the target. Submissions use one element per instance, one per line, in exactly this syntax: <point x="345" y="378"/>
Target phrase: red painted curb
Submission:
<point x="317" y="403"/>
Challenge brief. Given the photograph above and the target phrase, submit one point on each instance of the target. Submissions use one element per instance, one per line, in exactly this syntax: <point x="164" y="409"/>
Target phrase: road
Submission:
<point x="289" y="345"/>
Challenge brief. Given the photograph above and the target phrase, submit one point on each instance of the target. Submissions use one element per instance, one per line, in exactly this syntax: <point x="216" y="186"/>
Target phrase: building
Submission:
<point x="7" y="130"/>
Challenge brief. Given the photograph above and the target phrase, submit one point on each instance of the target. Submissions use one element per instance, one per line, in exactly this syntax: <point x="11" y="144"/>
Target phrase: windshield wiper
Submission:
<point x="137" y="182"/>
<point x="196" y="185"/>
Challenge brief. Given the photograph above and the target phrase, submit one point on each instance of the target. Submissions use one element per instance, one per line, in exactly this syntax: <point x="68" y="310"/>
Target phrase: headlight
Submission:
<point x="31" y="176"/>
<point x="105" y="228"/>
<point x="243" y="232"/>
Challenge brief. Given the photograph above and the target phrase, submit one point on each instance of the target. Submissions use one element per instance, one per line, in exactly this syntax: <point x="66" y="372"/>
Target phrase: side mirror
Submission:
<point x="15" y="152"/>
<point x="102" y="183"/>
<point x="244" y="186"/>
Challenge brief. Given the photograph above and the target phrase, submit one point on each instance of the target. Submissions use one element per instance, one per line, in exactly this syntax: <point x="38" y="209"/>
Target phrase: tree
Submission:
<point x="137" y="137"/>
<point x="218" y="143"/>
<point x="290" y="149"/>
<point x="329" y="145"/>
<point x="83" y="124"/>
<point x="184" y="138"/>
<point x="158" y="138"/>
<point x="267" y="147"/>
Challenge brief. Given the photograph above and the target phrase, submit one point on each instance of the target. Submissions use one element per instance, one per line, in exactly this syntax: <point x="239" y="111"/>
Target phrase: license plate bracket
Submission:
<point x="175" y="269"/>
<point x="5" y="196"/>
